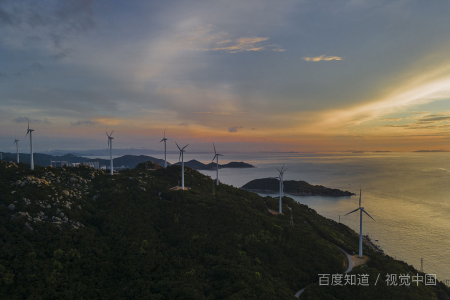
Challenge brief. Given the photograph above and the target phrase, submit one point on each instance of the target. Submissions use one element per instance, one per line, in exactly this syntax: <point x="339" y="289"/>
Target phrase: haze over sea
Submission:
<point x="408" y="195"/>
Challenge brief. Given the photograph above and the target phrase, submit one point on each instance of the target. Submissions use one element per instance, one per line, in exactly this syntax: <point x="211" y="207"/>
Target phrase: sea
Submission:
<point x="408" y="195"/>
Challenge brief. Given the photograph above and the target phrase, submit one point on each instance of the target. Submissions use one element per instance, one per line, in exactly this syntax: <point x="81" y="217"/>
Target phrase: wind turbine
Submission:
<point x="30" y="131"/>
<point x="17" y="146"/>
<point x="182" y="163"/>
<point x="216" y="156"/>
<point x="361" y="210"/>
<point x="110" y="138"/>
<point x="281" y="187"/>
<point x="164" y="139"/>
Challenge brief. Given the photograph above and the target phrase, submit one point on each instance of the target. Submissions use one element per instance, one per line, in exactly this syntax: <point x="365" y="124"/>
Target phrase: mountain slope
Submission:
<point x="135" y="238"/>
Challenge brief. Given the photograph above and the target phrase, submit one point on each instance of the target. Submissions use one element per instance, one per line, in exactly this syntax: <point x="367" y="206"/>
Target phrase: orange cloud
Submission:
<point x="322" y="57"/>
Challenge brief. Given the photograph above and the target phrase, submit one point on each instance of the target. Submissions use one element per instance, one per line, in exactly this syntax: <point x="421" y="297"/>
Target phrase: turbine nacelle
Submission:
<point x="181" y="150"/>
<point x="164" y="139"/>
<point x="215" y="153"/>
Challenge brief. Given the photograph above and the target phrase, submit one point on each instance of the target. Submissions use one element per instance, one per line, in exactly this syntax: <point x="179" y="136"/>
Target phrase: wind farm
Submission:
<point x="344" y="95"/>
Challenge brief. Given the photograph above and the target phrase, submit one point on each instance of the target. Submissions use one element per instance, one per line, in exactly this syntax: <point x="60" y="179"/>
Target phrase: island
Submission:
<point x="196" y="165"/>
<point x="292" y="187"/>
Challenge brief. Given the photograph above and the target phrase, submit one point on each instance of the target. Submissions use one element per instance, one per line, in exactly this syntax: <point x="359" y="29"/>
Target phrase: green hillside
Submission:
<point x="77" y="233"/>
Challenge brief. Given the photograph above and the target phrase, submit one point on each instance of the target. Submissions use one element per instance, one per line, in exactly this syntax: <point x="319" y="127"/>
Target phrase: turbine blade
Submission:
<point x="214" y="148"/>
<point x="214" y="157"/>
<point x="351" y="211"/>
<point x="359" y="197"/>
<point x="164" y="132"/>
<point x="106" y="134"/>
<point x="111" y="133"/>
<point x="278" y="170"/>
<point x="185" y="146"/>
<point x="368" y="214"/>
<point x="178" y="146"/>
<point x="161" y="140"/>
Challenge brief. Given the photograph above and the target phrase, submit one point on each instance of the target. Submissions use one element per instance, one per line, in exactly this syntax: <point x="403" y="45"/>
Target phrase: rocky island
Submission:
<point x="196" y="165"/>
<point x="293" y="187"/>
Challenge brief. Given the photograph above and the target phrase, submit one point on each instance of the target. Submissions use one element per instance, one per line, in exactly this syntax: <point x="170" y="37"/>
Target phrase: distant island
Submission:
<point x="293" y="187"/>
<point x="196" y="165"/>
<point x="440" y="150"/>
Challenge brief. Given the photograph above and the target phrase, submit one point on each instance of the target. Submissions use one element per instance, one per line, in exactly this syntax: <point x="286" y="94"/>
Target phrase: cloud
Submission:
<point x="31" y="70"/>
<point x="212" y="112"/>
<point x="234" y="128"/>
<point x="89" y="123"/>
<point x="58" y="23"/>
<point x="205" y="38"/>
<point x="391" y="119"/>
<point x="322" y="57"/>
<point x="246" y="44"/>
<point x="25" y="120"/>
<point x="183" y="124"/>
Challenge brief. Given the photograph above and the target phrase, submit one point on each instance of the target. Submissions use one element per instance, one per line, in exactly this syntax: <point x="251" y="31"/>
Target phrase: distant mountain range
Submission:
<point x="40" y="159"/>
<point x="195" y="164"/>
<point x="129" y="161"/>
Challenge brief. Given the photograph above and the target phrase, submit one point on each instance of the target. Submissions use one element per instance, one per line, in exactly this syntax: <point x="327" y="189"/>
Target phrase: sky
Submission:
<point x="254" y="75"/>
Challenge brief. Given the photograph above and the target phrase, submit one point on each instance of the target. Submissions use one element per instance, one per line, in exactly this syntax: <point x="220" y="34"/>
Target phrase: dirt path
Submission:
<point x="351" y="261"/>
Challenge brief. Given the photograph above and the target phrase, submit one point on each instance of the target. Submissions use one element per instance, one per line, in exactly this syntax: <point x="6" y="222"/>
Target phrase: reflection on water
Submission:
<point x="406" y="193"/>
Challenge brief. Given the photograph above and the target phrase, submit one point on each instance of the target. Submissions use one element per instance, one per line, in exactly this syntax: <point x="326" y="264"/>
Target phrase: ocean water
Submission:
<point x="408" y="195"/>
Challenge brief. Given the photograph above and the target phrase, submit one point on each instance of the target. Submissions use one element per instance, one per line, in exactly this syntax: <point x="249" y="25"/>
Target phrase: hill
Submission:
<point x="196" y="165"/>
<point x="78" y="233"/>
<point x="293" y="187"/>
<point x="43" y="160"/>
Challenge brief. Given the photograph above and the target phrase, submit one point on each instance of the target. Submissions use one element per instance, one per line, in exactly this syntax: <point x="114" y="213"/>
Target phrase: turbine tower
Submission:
<point x="280" y="210"/>
<point x="30" y="131"/>
<point x="182" y="163"/>
<point x="110" y="138"/>
<point x="164" y="140"/>
<point x="216" y="156"/>
<point x="361" y="210"/>
<point x="17" y="146"/>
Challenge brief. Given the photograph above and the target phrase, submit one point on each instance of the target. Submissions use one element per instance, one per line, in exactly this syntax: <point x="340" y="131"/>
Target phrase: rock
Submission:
<point x="95" y="197"/>
<point x="73" y="179"/>
<point x="11" y="207"/>
<point x="13" y="192"/>
<point x="49" y="206"/>
<point x="56" y="219"/>
<point x="65" y="192"/>
<point x="61" y="214"/>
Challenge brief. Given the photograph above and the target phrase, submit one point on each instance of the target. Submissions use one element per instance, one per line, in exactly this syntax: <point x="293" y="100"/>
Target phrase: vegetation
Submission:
<point x="293" y="187"/>
<point x="128" y="236"/>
